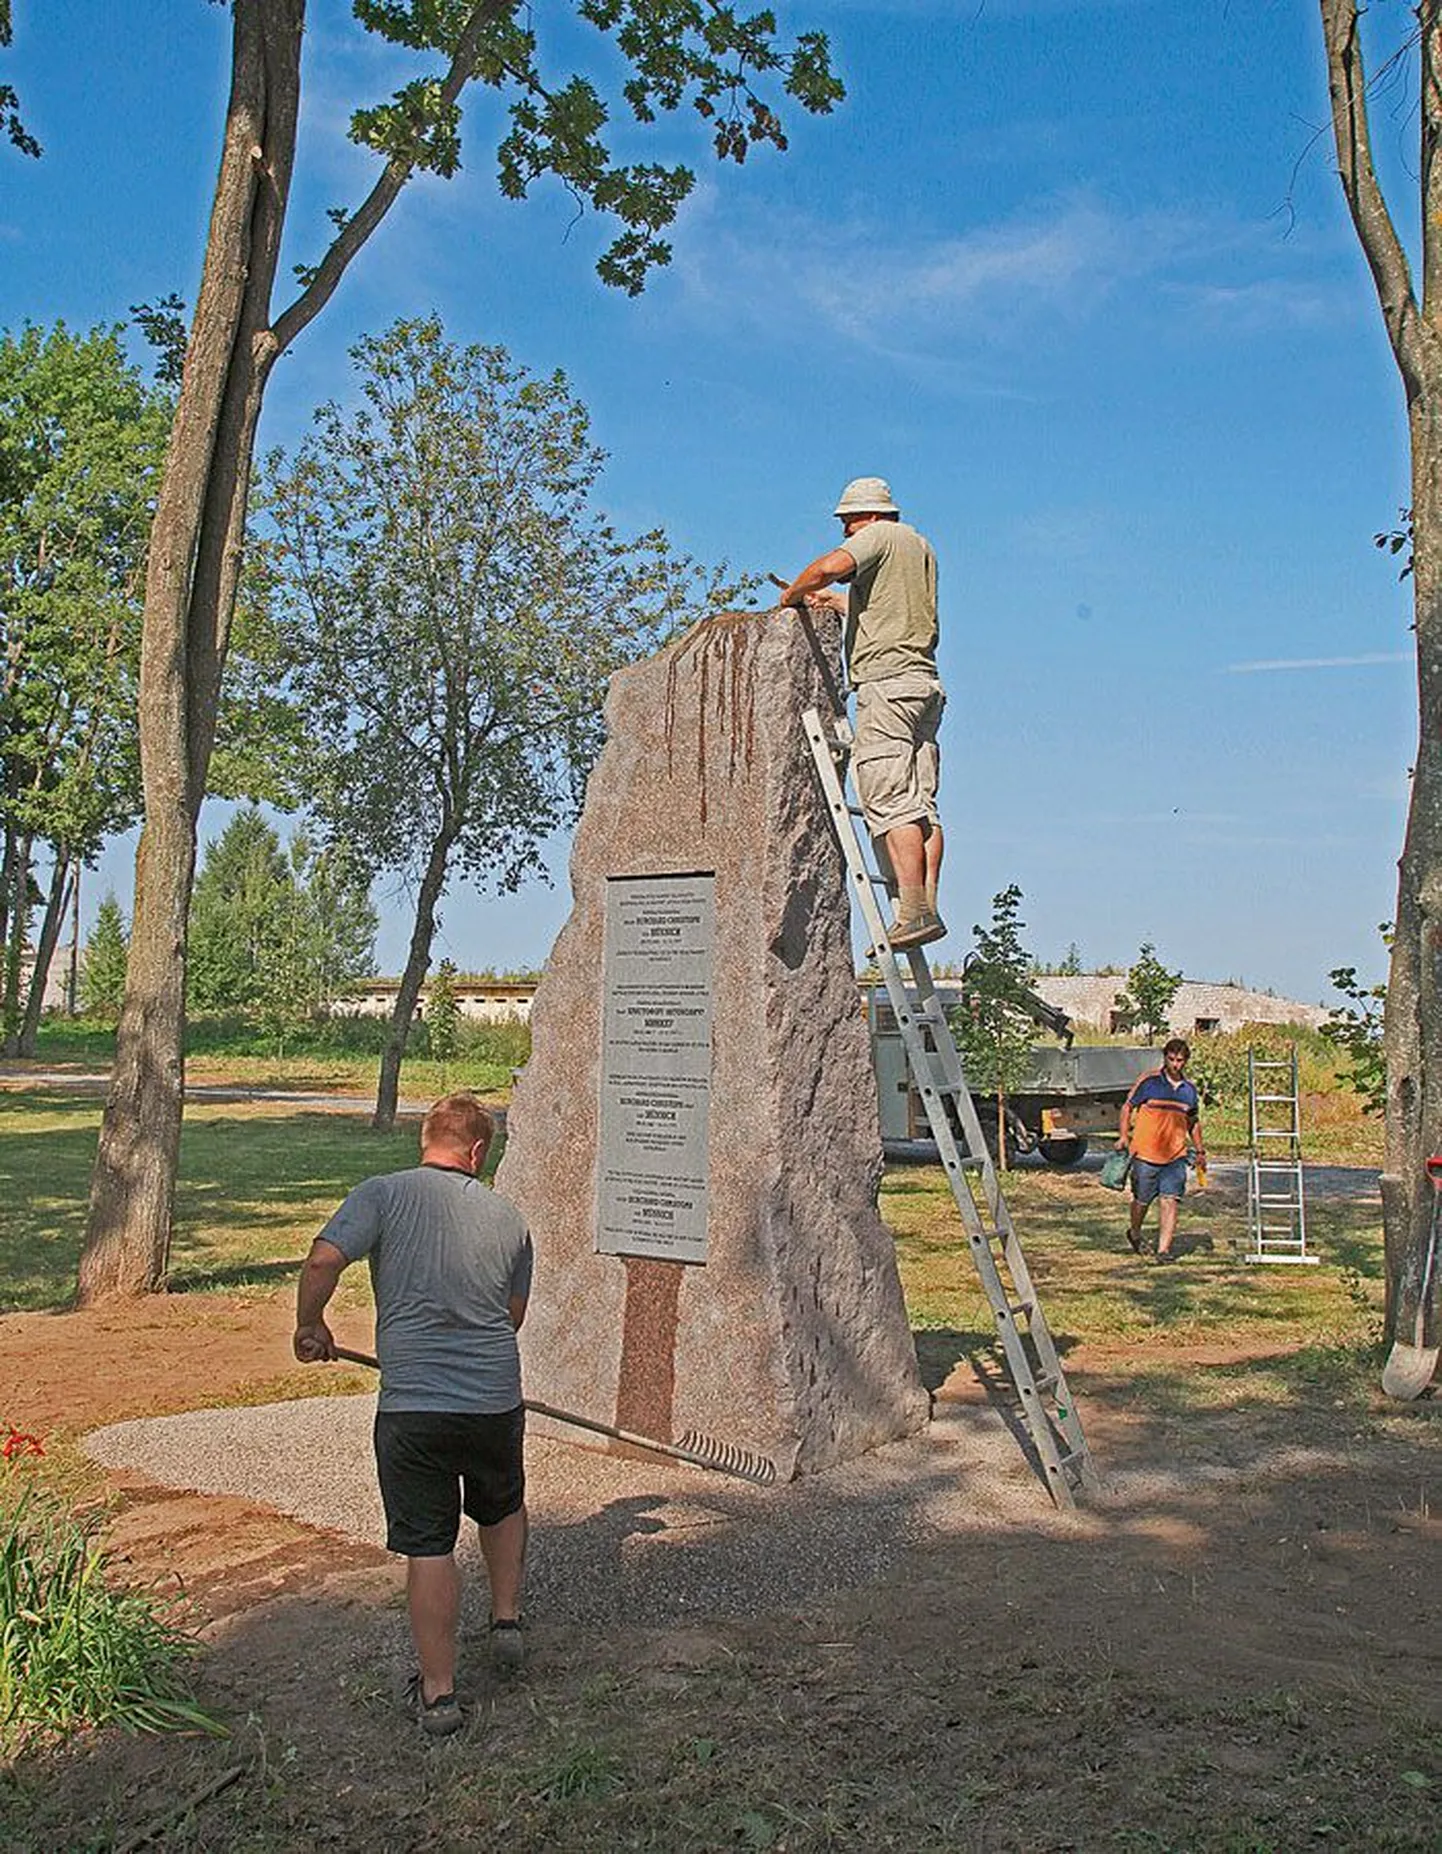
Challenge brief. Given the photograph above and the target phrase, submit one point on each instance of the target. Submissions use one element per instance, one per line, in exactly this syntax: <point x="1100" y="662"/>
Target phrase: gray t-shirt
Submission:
<point x="447" y="1255"/>
<point x="891" y="607"/>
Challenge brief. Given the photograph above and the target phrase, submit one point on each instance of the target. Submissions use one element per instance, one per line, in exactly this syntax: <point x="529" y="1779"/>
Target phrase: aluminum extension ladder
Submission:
<point x="1276" y="1199"/>
<point x="1047" y="1407"/>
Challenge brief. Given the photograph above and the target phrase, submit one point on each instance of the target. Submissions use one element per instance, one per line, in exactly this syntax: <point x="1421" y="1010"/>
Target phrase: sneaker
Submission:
<point x="508" y="1647"/>
<point x="438" y="1717"/>
<point x="917" y="930"/>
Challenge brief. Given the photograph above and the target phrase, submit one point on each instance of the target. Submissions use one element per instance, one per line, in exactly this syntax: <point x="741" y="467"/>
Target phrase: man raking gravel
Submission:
<point x="451" y="1265"/>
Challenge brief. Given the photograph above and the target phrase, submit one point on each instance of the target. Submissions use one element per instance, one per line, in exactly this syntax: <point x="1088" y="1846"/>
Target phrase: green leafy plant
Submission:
<point x="992" y="1023"/>
<point x="443" y="1015"/>
<point x="74" y="1652"/>
<point x="1356" y="1029"/>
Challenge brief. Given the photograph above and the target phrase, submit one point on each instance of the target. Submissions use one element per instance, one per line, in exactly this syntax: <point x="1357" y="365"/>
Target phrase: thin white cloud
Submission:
<point x="1365" y="661"/>
<point x="1062" y="259"/>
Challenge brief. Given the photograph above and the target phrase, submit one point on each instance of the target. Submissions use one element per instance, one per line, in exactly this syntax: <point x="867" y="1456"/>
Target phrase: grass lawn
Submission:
<point x="247" y="1061"/>
<point x="258" y="1179"/>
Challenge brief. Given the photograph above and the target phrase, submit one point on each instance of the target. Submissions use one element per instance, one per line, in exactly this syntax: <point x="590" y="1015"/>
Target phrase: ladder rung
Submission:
<point x="940" y="1076"/>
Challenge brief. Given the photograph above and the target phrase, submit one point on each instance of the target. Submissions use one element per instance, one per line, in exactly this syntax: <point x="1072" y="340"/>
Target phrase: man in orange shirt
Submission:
<point x="1159" y="1120"/>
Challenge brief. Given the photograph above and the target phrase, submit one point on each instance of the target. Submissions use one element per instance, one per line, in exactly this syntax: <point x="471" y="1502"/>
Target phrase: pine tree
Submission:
<point x="102" y="967"/>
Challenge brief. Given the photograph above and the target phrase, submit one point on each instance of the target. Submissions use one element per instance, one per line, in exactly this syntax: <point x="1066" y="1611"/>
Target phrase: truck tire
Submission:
<point x="1061" y="1149"/>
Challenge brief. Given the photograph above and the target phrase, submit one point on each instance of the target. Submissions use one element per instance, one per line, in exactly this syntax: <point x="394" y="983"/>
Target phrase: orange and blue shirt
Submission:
<point x="1163" y="1113"/>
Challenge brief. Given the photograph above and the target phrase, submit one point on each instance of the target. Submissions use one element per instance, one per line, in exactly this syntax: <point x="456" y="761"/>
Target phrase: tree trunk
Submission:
<point x="8" y="890"/>
<point x="1413" y="1021"/>
<point x="189" y="597"/>
<point x="17" y="927"/>
<point x="1412" y="1031"/>
<point x="53" y="920"/>
<point x="418" y="961"/>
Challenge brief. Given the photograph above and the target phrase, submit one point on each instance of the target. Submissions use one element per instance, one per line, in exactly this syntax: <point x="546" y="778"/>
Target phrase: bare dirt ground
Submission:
<point x="1238" y="1649"/>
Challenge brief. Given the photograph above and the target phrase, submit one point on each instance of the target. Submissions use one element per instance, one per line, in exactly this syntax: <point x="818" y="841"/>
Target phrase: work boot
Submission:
<point x="916" y="930"/>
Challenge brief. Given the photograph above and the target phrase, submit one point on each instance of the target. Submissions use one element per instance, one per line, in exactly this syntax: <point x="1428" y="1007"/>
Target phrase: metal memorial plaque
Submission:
<point x="656" y="1066"/>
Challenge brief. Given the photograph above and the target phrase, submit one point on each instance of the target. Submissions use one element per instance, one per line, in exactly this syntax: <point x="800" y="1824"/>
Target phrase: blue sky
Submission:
<point x="1076" y="277"/>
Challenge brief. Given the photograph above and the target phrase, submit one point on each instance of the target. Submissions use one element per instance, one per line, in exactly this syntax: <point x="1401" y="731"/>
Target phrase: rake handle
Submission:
<point x="671" y="1449"/>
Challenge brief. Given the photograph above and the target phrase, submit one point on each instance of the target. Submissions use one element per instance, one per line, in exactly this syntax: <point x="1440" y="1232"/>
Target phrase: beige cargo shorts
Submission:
<point x="896" y="759"/>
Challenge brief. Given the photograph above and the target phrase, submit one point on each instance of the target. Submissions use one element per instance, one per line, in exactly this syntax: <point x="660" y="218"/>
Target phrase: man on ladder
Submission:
<point x="891" y="630"/>
<point x="891" y="662"/>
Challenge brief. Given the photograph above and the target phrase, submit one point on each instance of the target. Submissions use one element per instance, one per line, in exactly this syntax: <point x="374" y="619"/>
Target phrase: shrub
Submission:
<point x="73" y="1651"/>
<point x="1218" y="1064"/>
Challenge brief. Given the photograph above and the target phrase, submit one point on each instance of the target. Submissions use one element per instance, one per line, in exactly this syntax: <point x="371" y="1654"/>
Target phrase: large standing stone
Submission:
<point x="792" y="1339"/>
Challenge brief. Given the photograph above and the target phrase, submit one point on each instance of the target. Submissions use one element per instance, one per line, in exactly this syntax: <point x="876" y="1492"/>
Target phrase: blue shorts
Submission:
<point x="1149" y="1181"/>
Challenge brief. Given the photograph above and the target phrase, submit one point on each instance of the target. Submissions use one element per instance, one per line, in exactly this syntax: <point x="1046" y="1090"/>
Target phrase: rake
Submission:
<point x="700" y="1451"/>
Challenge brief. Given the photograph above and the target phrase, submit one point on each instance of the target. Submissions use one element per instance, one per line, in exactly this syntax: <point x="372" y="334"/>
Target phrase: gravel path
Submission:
<point x="615" y="1537"/>
<point x="629" y="1539"/>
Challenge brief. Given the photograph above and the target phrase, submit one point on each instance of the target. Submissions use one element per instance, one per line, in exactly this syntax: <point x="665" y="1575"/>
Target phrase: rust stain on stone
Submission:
<point x="646" y="1391"/>
<point x="724" y="649"/>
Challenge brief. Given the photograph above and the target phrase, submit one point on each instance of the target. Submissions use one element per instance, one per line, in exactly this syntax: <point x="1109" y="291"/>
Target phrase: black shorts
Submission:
<point x="425" y="1458"/>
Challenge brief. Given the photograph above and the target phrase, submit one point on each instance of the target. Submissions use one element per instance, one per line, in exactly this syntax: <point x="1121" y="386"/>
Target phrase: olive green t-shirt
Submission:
<point x="891" y="610"/>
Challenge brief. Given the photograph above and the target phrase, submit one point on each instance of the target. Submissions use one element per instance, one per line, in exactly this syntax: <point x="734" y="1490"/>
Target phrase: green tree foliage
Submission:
<point x="993" y="1026"/>
<point x="274" y="937"/>
<point x="163" y="326"/>
<point x="81" y="440"/>
<point x="1356" y="1029"/>
<point x="730" y="68"/>
<point x="10" y="124"/>
<point x="443" y="1015"/>
<point x="1147" y="1001"/>
<point x="102" y="967"/>
<point x="240" y="895"/>
<point x="454" y="605"/>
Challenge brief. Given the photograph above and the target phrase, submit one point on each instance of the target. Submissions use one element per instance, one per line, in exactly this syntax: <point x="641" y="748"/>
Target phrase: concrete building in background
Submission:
<point x="482" y="1000"/>
<point x="1090" y="999"/>
<point x="1198" y="1007"/>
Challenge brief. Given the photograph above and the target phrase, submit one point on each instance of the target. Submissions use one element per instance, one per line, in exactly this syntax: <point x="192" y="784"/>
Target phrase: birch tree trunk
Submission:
<point x="17" y="926"/>
<point x="418" y="960"/>
<point x="56" y="902"/>
<point x="1413" y="1019"/>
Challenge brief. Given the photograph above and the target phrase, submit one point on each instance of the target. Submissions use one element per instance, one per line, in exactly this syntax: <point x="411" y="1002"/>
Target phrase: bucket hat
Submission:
<point x="867" y="495"/>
